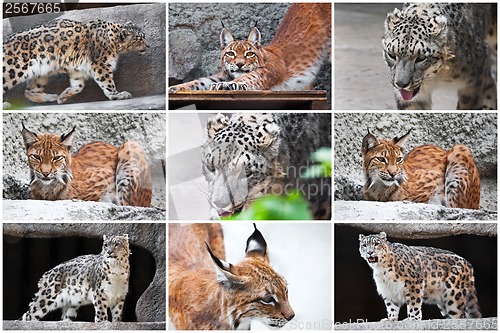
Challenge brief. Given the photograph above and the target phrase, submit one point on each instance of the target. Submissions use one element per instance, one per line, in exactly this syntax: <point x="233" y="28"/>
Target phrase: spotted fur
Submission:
<point x="414" y="275"/>
<point x="249" y="155"/>
<point x="427" y="174"/>
<point x="97" y="279"/>
<point x="207" y="293"/>
<point x="63" y="46"/>
<point x="290" y="62"/>
<point x="98" y="171"/>
<point x="428" y="44"/>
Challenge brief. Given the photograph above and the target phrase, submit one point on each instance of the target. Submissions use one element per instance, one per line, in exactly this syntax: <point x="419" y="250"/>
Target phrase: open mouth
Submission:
<point x="372" y="259"/>
<point x="408" y="95"/>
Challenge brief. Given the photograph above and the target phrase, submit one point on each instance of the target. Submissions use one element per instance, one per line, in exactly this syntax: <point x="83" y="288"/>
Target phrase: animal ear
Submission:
<point x="104" y="237"/>
<point x="224" y="271"/>
<point x="215" y="124"/>
<point x="401" y="140"/>
<point x="382" y="235"/>
<point x="29" y="137"/>
<point x="225" y="38"/>
<point x="67" y="138"/>
<point x="254" y="36"/>
<point x="393" y="18"/>
<point x="361" y="236"/>
<point x="369" y="142"/>
<point x="256" y="245"/>
<point x="439" y="24"/>
<point x="272" y="132"/>
<point x="127" y="32"/>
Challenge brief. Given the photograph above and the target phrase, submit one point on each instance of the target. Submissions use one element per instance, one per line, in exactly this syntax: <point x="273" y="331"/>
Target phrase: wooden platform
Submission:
<point x="249" y="100"/>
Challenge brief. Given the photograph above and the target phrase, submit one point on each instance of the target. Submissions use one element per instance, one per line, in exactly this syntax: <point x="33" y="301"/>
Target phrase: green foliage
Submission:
<point x="323" y="156"/>
<point x="275" y="207"/>
<point x="292" y="206"/>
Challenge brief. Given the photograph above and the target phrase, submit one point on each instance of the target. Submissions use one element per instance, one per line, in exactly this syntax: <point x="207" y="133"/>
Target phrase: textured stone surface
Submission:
<point x="204" y="20"/>
<point x="115" y="128"/>
<point x="394" y="211"/>
<point x="151" y="236"/>
<point x="428" y="325"/>
<point x="141" y="75"/>
<point x="476" y="130"/>
<point x="80" y="326"/>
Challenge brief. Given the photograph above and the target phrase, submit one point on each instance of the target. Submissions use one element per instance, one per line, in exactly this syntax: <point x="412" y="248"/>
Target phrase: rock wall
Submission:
<point x="194" y="36"/>
<point x="139" y="74"/>
<point x="149" y="129"/>
<point x="476" y="130"/>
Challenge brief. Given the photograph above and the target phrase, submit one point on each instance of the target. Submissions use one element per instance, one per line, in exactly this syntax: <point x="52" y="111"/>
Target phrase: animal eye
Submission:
<point x="36" y="157"/>
<point x="250" y="54"/>
<point x="390" y="55"/>
<point x="399" y="160"/>
<point x="420" y="58"/>
<point x="230" y="54"/>
<point x="268" y="299"/>
<point x="381" y="159"/>
<point x="57" y="158"/>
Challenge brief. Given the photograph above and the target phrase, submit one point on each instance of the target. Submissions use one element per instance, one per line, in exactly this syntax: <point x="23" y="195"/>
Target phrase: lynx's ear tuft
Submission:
<point x="224" y="271"/>
<point x="256" y="245"/>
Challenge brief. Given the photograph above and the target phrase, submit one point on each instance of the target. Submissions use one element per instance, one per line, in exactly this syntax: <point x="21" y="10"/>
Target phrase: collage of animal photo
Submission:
<point x="314" y="166"/>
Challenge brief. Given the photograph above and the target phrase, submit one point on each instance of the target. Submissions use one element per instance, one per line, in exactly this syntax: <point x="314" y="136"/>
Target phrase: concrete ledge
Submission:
<point x="67" y="210"/>
<point x="79" y="326"/>
<point x="431" y="325"/>
<point x="157" y="102"/>
<point x="371" y="210"/>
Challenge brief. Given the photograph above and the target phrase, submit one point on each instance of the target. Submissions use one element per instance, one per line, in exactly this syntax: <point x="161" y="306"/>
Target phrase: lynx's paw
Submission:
<point x="229" y="86"/>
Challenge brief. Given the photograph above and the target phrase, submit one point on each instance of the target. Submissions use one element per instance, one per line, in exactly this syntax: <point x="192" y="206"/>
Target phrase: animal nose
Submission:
<point x="240" y="64"/>
<point x="290" y="316"/>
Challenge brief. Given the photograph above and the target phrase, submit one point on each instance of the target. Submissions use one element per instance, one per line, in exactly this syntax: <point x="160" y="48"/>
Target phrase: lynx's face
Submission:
<point x="241" y="56"/>
<point x="383" y="161"/>
<point x="48" y="156"/>
<point x="255" y="290"/>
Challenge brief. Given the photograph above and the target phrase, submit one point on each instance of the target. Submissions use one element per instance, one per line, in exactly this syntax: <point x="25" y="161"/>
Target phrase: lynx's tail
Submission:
<point x="133" y="176"/>
<point x="462" y="181"/>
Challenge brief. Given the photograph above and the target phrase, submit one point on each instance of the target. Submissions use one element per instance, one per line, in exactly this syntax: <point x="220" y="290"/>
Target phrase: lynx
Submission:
<point x="97" y="172"/>
<point x="427" y="174"/>
<point x="290" y="62"/>
<point x="207" y="293"/>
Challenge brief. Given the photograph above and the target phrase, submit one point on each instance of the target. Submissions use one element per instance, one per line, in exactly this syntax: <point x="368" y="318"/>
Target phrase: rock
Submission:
<point x="435" y="324"/>
<point x="79" y="326"/>
<point x="139" y="74"/>
<point x="180" y="43"/>
<point x="151" y="236"/>
<point x="394" y="211"/>
<point x="476" y="130"/>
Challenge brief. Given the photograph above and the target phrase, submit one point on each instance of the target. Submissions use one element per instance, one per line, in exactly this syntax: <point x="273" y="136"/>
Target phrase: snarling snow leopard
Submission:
<point x="430" y="44"/>
<point x="413" y="275"/>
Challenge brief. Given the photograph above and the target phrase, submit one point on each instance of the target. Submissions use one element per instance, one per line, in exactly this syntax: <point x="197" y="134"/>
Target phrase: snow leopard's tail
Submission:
<point x="472" y="306"/>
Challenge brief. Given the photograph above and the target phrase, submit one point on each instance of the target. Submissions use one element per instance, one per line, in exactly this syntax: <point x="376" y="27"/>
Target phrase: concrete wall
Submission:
<point x="141" y="75"/>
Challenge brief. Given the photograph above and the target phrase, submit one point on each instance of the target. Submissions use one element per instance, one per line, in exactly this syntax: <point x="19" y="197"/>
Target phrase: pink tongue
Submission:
<point x="406" y="95"/>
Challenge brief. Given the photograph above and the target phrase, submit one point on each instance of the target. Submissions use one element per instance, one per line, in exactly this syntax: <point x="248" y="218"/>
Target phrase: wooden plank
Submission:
<point x="256" y="99"/>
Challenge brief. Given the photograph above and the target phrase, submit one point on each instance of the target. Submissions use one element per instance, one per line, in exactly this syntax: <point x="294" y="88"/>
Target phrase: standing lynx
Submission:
<point x="426" y="174"/>
<point x="290" y="62"/>
<point x="98" y="171"/>
<point x="207" y="293"/>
